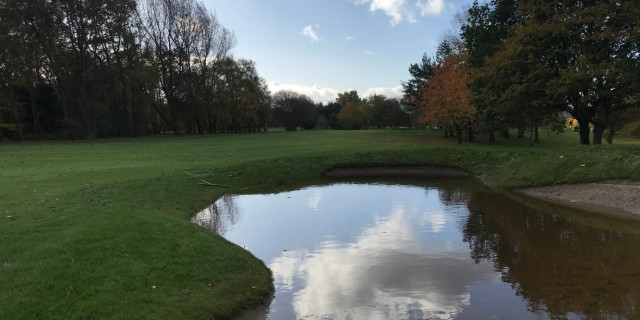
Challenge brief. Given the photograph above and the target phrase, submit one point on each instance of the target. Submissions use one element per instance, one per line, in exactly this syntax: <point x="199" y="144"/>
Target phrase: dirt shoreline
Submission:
<point x="612" y="197"/>
<point x="381" y="171"/>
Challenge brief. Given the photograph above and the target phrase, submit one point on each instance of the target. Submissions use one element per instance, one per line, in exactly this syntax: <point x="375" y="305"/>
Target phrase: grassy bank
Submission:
<point x="100" y="229"/>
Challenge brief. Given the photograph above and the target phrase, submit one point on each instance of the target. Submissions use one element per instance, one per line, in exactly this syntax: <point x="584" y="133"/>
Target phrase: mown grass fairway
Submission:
<point x="100" y="229"/>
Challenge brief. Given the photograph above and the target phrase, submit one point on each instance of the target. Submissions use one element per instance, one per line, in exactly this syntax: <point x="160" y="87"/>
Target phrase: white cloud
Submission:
<point x="315" y="92"/>
<point x="401" y="10"/>
<point x="398" y="10"/>
<point x="348" y="38"/>
<point x="430" y="7"/>
<point x="310" y="33"/>
<point x="322" y="94"/>
<point x="395" y="92"/>
<point x="369" y="53"/>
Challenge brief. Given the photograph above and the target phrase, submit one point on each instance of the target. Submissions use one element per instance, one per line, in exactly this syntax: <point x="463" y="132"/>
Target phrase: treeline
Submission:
<point x="294" y="111"/>
<point x="108" y="68"/>
<point x="525" y="64"/>
<point x="74" y="69"/>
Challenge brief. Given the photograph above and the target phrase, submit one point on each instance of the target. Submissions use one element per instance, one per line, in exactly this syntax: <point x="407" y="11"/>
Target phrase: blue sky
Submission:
<point x="322" y="47"/>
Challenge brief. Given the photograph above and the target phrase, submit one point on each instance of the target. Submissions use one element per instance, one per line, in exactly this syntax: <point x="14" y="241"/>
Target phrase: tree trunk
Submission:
<point x="134" y="120"/>
<point x="609" y="136"/>
<point x="34" y="111"/>
<point x="459" y="133"/>
<point x="170" y="122"/>
<point x="492" y="137"/>
<point x="536" y="139"/>
<point x="16" y="115"/>
<point x="531" y="136"/>
<point x="584" y="133"/>
<point x="598" y="131"/>
<point x="127" y="108"/>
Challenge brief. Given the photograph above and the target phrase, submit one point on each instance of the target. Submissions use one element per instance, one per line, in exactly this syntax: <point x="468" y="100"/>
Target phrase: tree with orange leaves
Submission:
<point x="445" y="99"/>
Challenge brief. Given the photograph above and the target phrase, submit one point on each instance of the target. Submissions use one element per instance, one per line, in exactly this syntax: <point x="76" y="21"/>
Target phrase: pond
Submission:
<point x="435" y="249"/>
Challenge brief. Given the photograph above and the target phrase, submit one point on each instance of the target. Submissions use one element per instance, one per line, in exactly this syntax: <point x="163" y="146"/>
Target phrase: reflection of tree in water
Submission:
<point x="453" y="196"/>
<point x="218" y="216"/>
<point x="557" y="265"/>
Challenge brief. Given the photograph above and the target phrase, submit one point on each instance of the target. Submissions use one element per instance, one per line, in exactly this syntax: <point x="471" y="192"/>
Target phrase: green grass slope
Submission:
<point x="100" y="229"/>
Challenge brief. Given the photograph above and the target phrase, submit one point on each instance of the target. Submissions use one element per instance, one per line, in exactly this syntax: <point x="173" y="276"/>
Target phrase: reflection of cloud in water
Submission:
<point x="435" y="221"/>
<point x="287" y="265"/>
<point x="314" y="200"/>
<point x="387" y="273"/>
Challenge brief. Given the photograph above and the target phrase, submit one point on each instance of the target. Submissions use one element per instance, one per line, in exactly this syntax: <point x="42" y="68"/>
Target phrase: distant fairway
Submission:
<point x="100" y="229"/>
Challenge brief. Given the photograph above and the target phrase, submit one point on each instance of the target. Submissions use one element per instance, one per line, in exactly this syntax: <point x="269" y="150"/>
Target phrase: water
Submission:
<point x="441" y="250"/>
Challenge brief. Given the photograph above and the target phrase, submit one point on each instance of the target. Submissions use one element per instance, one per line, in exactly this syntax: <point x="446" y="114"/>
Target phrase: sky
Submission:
<point x="323" y="47"/>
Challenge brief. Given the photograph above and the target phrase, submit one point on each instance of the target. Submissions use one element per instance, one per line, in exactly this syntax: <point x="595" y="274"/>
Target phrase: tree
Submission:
<point x="9" y="114"/>
<point x="514" y="83"/>
<point x="98" y="68"/>
<point x="292" y="110"/>
<point x="14" y="50"/>
<point x="589" y="45"/>
<point x="377" y="106"/>
<point x="399" y="114"/>
<point x="348" y="96"/>
<point x="385" y="112"/>
<point x="412" y="89"/>
<point x="241" y="98"/>
<point x="353" y="116"/>
<point x="486" y="28"/>
<point x="252" y="99"/>
<point x="353" y="113"/>
<point x="531" y="59"/>
<point x="330" y="112"/>
<point x="619" y="120"/>
<point x="445" y="100"/>
<point x="76" y="49"/>
<point x="185" y="40"/>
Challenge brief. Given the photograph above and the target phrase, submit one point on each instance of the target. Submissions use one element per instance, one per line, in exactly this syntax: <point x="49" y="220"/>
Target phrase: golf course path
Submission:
<point x="618" y="197"/>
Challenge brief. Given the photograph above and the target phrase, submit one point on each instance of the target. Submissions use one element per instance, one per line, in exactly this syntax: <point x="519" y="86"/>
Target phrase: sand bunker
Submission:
<point x="611" y="197"/>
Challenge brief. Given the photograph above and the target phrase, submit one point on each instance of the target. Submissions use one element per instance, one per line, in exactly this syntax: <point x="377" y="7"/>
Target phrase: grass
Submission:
<point x="100" y="229"/>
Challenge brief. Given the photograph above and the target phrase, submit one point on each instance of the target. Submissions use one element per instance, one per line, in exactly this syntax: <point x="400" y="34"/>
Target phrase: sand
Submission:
<point x="608" y="197"/>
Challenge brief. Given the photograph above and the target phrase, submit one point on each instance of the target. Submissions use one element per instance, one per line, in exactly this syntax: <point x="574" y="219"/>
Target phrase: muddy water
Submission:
<point x="446" y="249"/>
